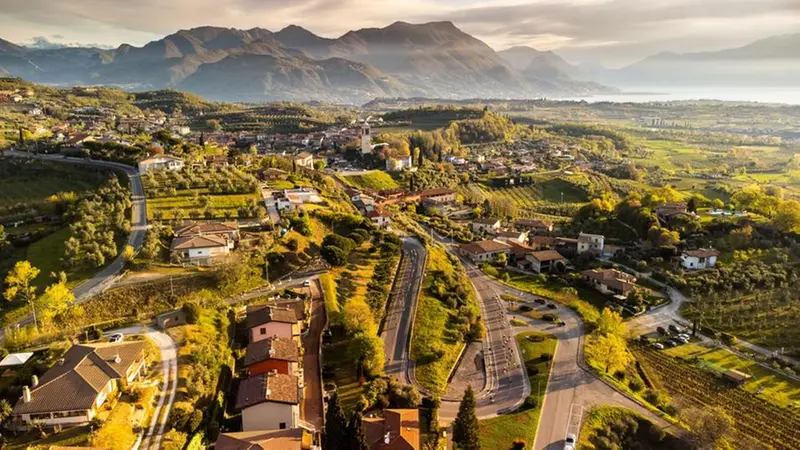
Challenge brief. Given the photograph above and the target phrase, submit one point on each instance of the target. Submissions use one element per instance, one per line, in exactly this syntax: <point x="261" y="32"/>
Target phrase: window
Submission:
<point x="282" y="425"/>
<point x="263" y="331"/>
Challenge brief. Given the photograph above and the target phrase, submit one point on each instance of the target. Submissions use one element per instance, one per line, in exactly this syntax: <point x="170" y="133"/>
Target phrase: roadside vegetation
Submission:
<point x="609" y="427"/>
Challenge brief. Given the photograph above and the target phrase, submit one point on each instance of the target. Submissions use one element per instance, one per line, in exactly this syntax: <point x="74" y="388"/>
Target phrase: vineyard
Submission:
<point x="278" y="118"/>
<point x="532" y="201"/>
<point x="758" y="422"/>
<point x="226" y="180"/>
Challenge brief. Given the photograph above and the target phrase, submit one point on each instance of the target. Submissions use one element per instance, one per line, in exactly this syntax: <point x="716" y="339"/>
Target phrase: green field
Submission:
<point x="375" y="180"/>
<point x="34" y="190"/>
<point x="500" y="432"/>
<point x="772" y="385"/>
<point x="187" y="201"/>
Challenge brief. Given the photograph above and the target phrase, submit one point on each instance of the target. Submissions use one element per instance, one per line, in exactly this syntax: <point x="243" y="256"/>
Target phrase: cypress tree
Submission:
<point x="356" y="437"/>
<point x="465" y="427"/>
<point x="335" y="435"/>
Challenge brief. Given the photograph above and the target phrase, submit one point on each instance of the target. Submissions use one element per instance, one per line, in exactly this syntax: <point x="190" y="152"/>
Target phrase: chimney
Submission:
<point x="34" y="381"/>
<point x="61" y="361"/>
<point x="26" y="394"/>
<point x="271" y="352"/>
<point x="387" y="439"/>
<point x="117" y="359"/>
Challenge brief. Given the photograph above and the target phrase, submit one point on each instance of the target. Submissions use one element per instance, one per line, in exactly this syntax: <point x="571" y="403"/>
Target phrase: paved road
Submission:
<point x="169" y="366"/>
<point x="402" y="305"/>
<point x="312" y="408"/>
<point x="108" y="274"/>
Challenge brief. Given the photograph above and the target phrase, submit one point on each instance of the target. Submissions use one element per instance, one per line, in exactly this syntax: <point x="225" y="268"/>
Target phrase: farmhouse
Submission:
<point x="199" y="249"/>
<point x="73" y="390"/>
<point x="439" y="195"/>
<point x="543" y="261"/>
<point x="269" y="402"/>
<point x="380" y="217"/>
<point x="610" y="281"/>
<point x="304" y="159"/>
<point x="160" y="162"/>
<point x="508" y="236"/>
<point x="535" y="226"/>
<point x="486" y="225"/>
<point x="592" y="243"/>
<point x="699" y="259"/>
<point x="483" y="251"/>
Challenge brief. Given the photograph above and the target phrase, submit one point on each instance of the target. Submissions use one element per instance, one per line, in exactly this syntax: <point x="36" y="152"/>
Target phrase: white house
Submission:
<point x="200" y="249"/>
<point x="485" y="225"/>
<point x="269" y="401"/>
<point x="699" y="259"/>
<point x="543" y="261"/>
<point x="160" y="162"/>
<point x="398" y="164"/>
<point x="485" y="251"/>
<point x="380" y="217"/>
<point x="304" y="159"/>
<point x="592" y="243"/>
<point x="509" y="236"/>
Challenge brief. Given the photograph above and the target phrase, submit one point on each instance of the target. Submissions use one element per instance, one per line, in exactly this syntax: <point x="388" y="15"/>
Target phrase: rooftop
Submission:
<point x="280" y="388"/>
<point x="399" y="426"/>
<point x="275" y="348"/>
<point x="258" y="315"/>
<point x="547" y="255"/>
<point x="701" y="253"/>
<point x="187" y="242"/>
<point x="487" y="220"/>
<point x="486" y="246"/>
<point x="193" y="229"/>
<point x="291" y="439"/>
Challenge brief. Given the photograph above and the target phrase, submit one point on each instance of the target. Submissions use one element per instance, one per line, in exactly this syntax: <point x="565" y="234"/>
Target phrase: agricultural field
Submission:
<point x="770" y="384"/>
<point x="375" y="180"/>
<point x="217" y="206"/>
<point x="757" y="421"/>
<point x="626" y="429"/>
<point x="501" y="432"/>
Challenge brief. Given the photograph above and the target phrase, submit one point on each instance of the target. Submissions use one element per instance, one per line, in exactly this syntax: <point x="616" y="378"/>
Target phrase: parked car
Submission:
<point x="541" y="301"/>
<point x="116" y="337"/>
<point x="682" y="340"/>
<point x="569" y="442"/>
<point x="552" y="306"/>
<point x="685" y="336"/>
<point x="670" y="343"/>
<point x="676" y="329"/>
<point x="658" y="346"/>
<point x="307" y="283"/>
<point x="661" y="330"/>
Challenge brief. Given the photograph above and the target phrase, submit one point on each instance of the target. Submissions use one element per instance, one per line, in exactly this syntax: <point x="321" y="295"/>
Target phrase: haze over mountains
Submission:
<point x="401" y="60"/>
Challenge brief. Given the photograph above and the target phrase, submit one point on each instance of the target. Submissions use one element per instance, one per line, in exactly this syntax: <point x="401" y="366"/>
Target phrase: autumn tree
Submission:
<point x="465" y="426"/>
<point x="787" y="218"/>
<point x="610" y="323"/>
<point x="712" y="427"/>
<point x="56" y="301"/>
<point x="367" y="351"/>
<point x="609" y="351"/>
<point x="19" y="281"/>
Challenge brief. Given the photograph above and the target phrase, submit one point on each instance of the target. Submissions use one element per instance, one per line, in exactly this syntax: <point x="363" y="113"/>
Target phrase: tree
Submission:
<point x="19" y="285"/>
<point x="465" y="427"/>
<point x="610" y="351"/>
<point x="128" y="253"/>
<point x="691" y="206"/>
<point x="335" y="434"/>
<point x="787" y="218"/>
<point x="213" y="125"/>
<point x="610" y="323"/>
<point x="358" y="318"/>
<point x="718" y="204"/>
<point x="152" y="244"/>
<point x="712" y="427"/>
<point x="2" y="235"/>
<point x="319" y="164"/>
<point x="358" y="441"/>
<point x="56" y="300"/>
<point x="367" y="351"/>
<point x="192" y="312"/>
<point x="333" y="255"/>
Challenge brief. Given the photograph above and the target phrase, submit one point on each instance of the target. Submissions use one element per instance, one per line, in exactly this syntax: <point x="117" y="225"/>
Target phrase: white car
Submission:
<point x="307" y="283"/>
<point x="684" y="336"/>
<point x="116" y="337"/>
<point x="658" y="346"/>
<point x="569" y="442"/>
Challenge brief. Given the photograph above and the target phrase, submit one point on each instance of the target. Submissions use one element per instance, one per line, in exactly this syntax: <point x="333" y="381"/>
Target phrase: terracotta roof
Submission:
<point x="543" y="240"/>
<point x="194" y="229"/>
<point x="612" y="278"/>
<point x="85" y="371"/>
<point x="275" y="348"/>
<point x="280" y="388"/>
<point x="436" y="192"/>
<point x="291" y="439"/>
<point x="701" y="253"/>
<point x="547" y="255"/>
<point x="485" y="247"/>
<point x="259" y="315"/>
<point x="303" y="155"/>
<point x="378" y="213"/>
<point x="185" y="243"/>
<point x="157" y="157"/>
<point x="588" y="236"/>
<point x="297" y="305"/>
<point x="486" y="220"/>
<point x="533" y="223"/>
<point x="509" y="234"/>
<point x="401" y="425"/>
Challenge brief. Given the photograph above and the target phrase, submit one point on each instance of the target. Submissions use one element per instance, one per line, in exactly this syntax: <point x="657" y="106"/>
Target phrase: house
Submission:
<point x="485" y="251"/>
<point x="76" y="140"/>
<point x="289" y="439"/>
<point x="439" y="195"/>
<point x="610" y="281"/>
<point x="668" y="210"/>
<point x="535" y="226"/>
<point x="380" y="217"/>
<point x="265" y="322"/>
<point x="398" y="164"/>
<point x="272" y="354"/>
<point x="543" y="261"/>
<point x="592" y="243"/>
<point x="160" y="162"/>
<point x="199" y="249"/>
<point x="292" y="198"/>
<point x="509" y="236"/>
<point x="269" y="401"/>
<point x="542" y="242"/>
<point x="217" y="161"/>
<point x="699" y="259"/>
<point x="736" y="377"/>
<point x="74" y="390"/>
<point x="486" y="225"/>
<point x="271" y="174"/>
<point x="304" y="159"/>
<point x="398" y="429"/>
<point x="228" y="230"/>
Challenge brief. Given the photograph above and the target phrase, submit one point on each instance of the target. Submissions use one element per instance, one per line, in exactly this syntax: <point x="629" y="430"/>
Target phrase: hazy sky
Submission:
<point x="613" y="32"/>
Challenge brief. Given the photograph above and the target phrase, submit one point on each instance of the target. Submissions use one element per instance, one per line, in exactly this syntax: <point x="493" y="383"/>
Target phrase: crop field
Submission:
<point x="772" y="385"/>
<point x="376" y="180"/>
<point x="188" y="200"/>
<point x="757" y="421"/>
<point x="500" y="432"/>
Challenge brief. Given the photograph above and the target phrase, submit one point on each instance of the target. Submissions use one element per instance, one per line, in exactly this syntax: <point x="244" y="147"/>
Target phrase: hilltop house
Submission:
<point x="543" y="261"/>
<point x="380" y="217"/>
<point x="485" y="251"/>
<point x="269" y="401"/>
<point x="74" y="390"/>
<point x="699" y="259"/>
<point x="304" y="159"/>
<point x="200" y="243"/>
<point x="486" y="225"/>
<point x="437" y="196"/>
<point x="610" y="281"/>
<point x="592" y="243"/>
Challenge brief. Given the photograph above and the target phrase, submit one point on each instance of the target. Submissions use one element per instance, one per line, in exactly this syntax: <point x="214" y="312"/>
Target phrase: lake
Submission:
<point x="789" y="96"/>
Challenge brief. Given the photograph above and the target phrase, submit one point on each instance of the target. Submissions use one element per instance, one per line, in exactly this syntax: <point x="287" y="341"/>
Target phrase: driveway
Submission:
<point x="312" y="410"/>
<point x="151" y="439"/>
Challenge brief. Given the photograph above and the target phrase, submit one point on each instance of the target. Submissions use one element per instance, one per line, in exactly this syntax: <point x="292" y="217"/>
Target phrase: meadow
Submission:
<point x="375" y="180"/>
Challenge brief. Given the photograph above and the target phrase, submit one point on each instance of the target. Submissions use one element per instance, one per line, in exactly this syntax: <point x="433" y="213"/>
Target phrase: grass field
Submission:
<point x="376" y="180"/>
<point x="35" y="190"/>
<point x="769" y="384"/>
<point x="46" y="255"/>
<point x="434" y="330"/>
<point x="186" y="200"/>
<point x="500" y="432"/>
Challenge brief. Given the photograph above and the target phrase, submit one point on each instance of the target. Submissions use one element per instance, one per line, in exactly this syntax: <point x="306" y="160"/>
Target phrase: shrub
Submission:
<point x="180" y="415"/>
<point x="531" y="402"/>
<point x="292" y="244"/>
<point x="636" y="385"/>
<point x="196" y="420"/>
<point x="619" y="375"/>
<point x="526" y="308"/>
<point x="192" y="312"/>
<point x="532" y="371"/>
<point x="335" y="256"/>
<point x="546" y="357"/>
<point x="518" y="444"/>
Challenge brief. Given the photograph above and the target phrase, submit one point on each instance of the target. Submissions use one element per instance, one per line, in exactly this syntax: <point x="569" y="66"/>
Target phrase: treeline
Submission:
<point x="622" y="142"/>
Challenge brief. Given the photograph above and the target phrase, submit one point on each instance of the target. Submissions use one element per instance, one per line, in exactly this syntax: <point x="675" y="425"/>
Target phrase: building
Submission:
<point x="15" y="360"/>
<point x="509" y="236"/>
<point x="199" y="249"/>
<point x="542" y="242"/>
<point x="304" y="159"/>
<point x="228" y="230"/>
<point x="289" y="439"/>
<point x="486" y="225"/>
<point x="398" y="429"/>
<point x="74" y="390"/>
<point x="269" y="402"/>
<point x="293" y="198"/>
<point x="610" y="281"/>
<point x="272" y="354"/>
<point x="217" y="161"/>
<point x="485" y="251"/>
<point x="366" y="138"/>
<point x="268" y="322"/>
<point x="398" y="164"/>
<point x="543" y="261"/>
<point x="160" y="162"/>
<point x="699" y="259"/>
<point x="439" y="195"/>
<point x="592" y="243"/>
<point x="380" y="217"/>
<point x="78" y="139"/>
<point x="535" y="226"/>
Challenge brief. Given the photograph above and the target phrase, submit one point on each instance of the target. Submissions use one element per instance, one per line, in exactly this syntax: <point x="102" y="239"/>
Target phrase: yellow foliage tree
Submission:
<point x="609" y="351"/>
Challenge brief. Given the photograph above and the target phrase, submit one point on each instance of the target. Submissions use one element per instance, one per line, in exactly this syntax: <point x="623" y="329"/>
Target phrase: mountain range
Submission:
<point x="401" y="60"/>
